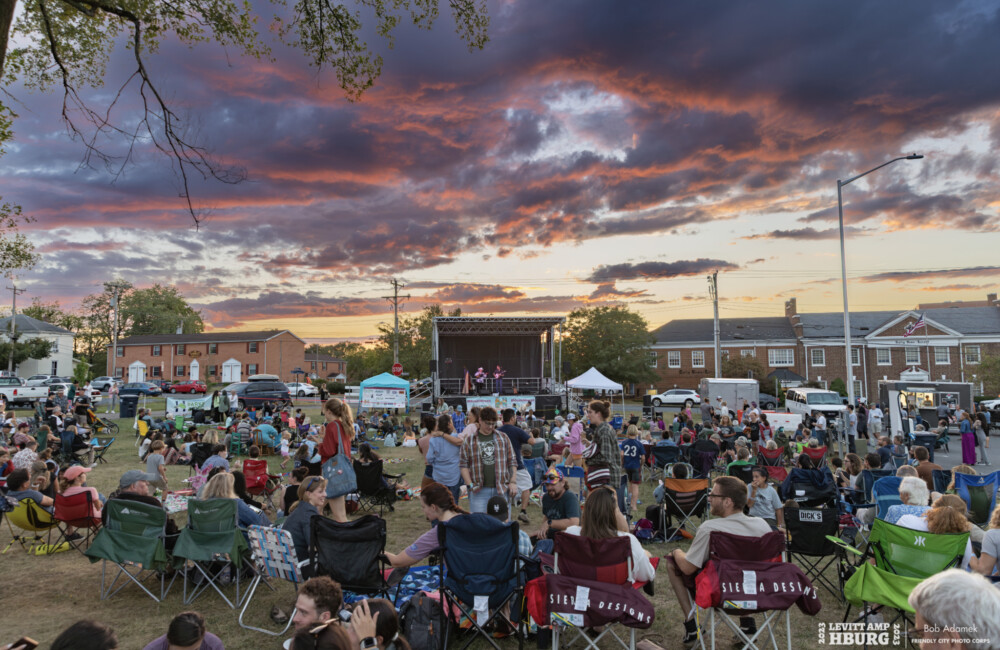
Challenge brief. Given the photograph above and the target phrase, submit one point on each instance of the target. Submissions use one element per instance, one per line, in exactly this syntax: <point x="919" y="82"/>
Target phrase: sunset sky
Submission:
<point x="593" y="152"/>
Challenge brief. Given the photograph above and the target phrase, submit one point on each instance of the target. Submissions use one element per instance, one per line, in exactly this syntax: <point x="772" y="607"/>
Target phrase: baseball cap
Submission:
<point x="133" y="476"/>
<point x="571" y="416"/>
<point x="553" y="476"/>
<point x="497" y="507"/>
<point x="74" y="472"/>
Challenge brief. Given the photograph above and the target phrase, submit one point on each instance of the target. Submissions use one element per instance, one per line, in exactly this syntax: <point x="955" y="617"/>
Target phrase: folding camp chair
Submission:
<point x="773" y="460"/>
<point x="259" y="482"/>
<point x="101" y="446"/>
<point x="885" y="494"/>
<point x="213" y="544"/>
<point x="264" y="444"/>
<point x="808" y="531"/>
<point x="979" y="494"/>
<point x="867" y="480"/>
<point x="684" y="498"/>
<point x="141" y="430"/>
<point x="703" y="463"/>
<point x="903" y="557"/>
<point x="810" y="487"/>
<point x="941" y="479"/>
<point x="899" y="461"/>
<point x="200" y="452"/>
<point x="274" y="553"/>
<point x="76" y="511"/>
<point x="351" y="553"/>
<point x="746" y="568"/>
<point x="373" y="490"/>
<point x="30" y="517"/>
<point x="480" y="573"/>
<point x="577" y="472"/>
<point x="134" y="539"/>
<point x="589" y="565"/>
<point x="742" y="472"/>
<point x="816" y="454"/>
<point x="663" y="457"/>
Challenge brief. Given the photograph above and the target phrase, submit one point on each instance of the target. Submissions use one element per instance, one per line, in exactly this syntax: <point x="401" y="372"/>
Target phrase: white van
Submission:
<point x="806" y="400"/>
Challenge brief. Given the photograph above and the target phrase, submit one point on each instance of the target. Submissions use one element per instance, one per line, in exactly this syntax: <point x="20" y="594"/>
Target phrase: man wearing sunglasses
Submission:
<point x="726" y="501"/>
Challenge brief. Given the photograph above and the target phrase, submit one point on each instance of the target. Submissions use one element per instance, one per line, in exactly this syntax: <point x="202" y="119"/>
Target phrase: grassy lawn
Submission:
<point x="53" y="591"/>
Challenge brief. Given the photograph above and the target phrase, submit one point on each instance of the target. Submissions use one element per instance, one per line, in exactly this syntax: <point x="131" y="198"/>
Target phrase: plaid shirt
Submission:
<point x="607" y="448"/>
<point x="505" y="461"/>
<point x="458" y="418"/>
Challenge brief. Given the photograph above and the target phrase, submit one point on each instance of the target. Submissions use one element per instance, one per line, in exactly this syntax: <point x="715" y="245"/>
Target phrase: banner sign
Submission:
<point x="481" y="402"/>
<point x="383" y="398"/>
<point x="521" y="403"/>
<point x="184" y="405"/>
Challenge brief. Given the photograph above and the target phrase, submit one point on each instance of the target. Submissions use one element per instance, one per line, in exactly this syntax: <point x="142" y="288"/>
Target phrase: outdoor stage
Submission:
<point x="521" y="346"/>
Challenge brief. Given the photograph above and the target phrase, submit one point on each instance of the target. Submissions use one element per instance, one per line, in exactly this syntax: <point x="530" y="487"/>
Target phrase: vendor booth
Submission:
<point x="385" y="391"/>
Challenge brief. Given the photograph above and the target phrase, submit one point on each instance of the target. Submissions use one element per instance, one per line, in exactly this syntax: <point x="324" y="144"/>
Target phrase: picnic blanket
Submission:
<point x="419" y="578"/>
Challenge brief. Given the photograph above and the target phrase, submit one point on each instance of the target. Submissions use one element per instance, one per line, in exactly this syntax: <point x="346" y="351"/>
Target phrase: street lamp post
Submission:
<point x="843" y="277"/>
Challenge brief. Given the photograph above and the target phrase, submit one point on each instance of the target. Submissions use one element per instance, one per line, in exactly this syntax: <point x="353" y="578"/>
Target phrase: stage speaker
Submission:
<point x="566" y="367"/>
<point x="647" y="412"/>
<point x="647" y="400"/>
<point x="434" y="365"/>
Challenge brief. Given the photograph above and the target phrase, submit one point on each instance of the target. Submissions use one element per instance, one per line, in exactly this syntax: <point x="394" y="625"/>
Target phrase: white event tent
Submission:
<point x="594" y="380"/>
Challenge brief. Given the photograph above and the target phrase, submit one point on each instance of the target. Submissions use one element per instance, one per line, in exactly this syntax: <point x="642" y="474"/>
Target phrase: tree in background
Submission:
<point x="22" y="350"/>
<point x="989" y="373"/>
<point x="53" y="314"/>
<point x="839" y="386"/>
<point x="739" y="367"/>
<point x="614" y="340"/>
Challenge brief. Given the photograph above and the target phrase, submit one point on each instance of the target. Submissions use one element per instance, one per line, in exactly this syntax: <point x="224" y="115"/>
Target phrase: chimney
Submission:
<point x="991" y="298"/>
<point x="791" y="308"/>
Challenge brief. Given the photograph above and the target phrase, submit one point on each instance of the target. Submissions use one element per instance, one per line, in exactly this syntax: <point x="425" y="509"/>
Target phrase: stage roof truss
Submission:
<point x="496" y="326"/>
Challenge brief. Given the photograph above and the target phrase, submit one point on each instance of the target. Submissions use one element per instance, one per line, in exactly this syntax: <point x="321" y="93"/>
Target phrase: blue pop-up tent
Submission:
<point x="385" y="380"/>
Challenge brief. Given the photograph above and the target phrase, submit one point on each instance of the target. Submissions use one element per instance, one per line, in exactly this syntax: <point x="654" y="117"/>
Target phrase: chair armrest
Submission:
<point x="394" y="475"/>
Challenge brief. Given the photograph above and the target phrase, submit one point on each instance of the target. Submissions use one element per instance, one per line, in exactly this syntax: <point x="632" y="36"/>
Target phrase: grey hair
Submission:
<point x="917" y="490"/>
<point x="957" y="598"/>
<point x="907" y="471"/>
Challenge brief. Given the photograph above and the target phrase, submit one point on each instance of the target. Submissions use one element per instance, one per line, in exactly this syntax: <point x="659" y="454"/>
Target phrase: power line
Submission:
<point x="395" y="299"/>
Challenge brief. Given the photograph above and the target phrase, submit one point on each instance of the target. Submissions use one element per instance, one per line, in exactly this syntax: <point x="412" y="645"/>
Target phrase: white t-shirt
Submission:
<point x="821" y="423"/>
<point x="642" y="569"/>
<point x="875" y="415"/>
<point x="914" y="522"/>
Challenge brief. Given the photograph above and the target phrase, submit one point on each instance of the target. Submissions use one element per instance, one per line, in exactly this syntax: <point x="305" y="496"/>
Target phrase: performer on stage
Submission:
<point x="498" y="376"/>
<point x="480" y="380"/>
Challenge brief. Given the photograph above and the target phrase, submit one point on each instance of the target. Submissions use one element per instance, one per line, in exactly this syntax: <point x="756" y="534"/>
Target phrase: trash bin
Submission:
<point x="926" y="440"/>
<point x="129" y="406"/>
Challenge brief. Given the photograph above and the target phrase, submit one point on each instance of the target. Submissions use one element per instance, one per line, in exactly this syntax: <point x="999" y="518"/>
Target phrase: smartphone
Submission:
<point x="25" y="643"/>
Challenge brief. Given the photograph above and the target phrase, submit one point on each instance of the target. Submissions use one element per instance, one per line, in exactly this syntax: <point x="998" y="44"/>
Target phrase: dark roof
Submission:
<point x="831" y="324"/>
<point x="784" y="374"/>
<point x="730" y="329"/>
<point x="967" y="320"/>
<point x="321" y="358"/>
<point x="206" y="337"/>
<point x="29" y="324"/>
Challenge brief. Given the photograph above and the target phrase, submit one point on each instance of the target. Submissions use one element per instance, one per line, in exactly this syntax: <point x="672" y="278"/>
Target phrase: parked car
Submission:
<point x="140" y="388"/>
<point x="677" y="397"/>
<point x="38" y="380"/>
<point x="103" y="384"/>
<point x="15" y="392"/>
<point x="300" y="389"/>
<point x="988" y="404"/>
<point x="188" y="387"/>
<point x="257" y="392"/>
<point x="162" y="384"/>
<point x="767" y="402"/>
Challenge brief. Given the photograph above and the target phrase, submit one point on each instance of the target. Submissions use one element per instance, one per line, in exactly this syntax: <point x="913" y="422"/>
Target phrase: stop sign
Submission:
<point x="397" y="369"/>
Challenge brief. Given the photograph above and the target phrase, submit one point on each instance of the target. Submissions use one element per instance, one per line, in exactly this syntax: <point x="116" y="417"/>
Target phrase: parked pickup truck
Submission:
<point x="15" y="392"/>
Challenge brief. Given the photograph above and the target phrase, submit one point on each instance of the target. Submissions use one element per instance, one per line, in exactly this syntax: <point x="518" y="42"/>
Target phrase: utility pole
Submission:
<point x="116" y="288"/>
<point x="394" y="299"/>
<point x="713" y="290"/>
<point x="13" y="322"/>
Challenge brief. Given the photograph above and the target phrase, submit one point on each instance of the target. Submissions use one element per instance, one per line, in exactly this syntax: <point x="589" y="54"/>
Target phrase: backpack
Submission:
<point x="643" y="530"/>
<point x="420" y="622"/>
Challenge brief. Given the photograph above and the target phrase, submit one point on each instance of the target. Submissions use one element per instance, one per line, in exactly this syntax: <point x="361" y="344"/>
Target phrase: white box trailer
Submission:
<point x="732" y="392"/>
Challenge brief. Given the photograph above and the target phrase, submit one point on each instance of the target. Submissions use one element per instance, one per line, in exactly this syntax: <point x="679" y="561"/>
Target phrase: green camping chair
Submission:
<point x="214" y="544"/>
<point x="134" y="539"/>
<point x="903" y="557"/>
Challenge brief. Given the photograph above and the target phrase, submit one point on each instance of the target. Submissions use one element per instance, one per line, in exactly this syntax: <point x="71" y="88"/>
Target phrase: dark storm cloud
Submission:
<point x="904" y="276"/>
<point x="657" y="270"/>
<point x="807" y="234"/>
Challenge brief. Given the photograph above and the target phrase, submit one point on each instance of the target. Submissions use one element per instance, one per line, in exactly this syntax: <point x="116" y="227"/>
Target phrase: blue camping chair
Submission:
<point x="480" y="573"/>
<point x="536" y="469"/>
<point x="885" y="494"/>
<point x="867" y="480"/>
<point x="979" y="494"/>
<point x="663" y="458"/>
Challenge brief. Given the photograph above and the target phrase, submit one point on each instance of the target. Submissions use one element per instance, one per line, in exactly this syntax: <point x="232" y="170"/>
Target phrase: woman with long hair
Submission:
<point x="443" y="455"/>
<point x="222" y="486"/>
<point x="337" y="440"/>
<point x="438" y="505"/>
<point x="946" y="516"/>
<point x="608" y="454"/>
<point x="312" y="497"/>
<point x="376" y="618"/>
<point x="471" y="423"/>
<point x="601" y="519"/>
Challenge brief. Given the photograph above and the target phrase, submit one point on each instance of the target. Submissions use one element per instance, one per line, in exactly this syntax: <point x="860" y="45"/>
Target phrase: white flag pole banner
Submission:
<point x="184" y="406"/>
<point x="383" y="398"/>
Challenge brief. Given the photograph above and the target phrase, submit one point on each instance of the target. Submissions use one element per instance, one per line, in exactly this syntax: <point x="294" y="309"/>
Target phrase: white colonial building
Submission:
<point x="60" y="359"/>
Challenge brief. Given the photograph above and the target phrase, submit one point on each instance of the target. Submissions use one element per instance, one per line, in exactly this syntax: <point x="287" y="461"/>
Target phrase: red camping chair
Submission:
<point x="774" y="462"/>
<point x="817" y="455"/>
<point x="259" y="482"/>
<point x="76" y="511"/>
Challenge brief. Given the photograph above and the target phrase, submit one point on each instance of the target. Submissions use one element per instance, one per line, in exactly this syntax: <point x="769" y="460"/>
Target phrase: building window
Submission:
<point x="723" y="354"/>
<point x="252" y="347"/>
<point x="942" y="356"/>
<point x="780" y="358"/>
<point x="747" y="353"/>
<point x="119" y="372"/>
<point x="912" y="356"/>
<point x="883" y="356"/>
<point x="155" y="371"/>
<point x="698" y="358"/>
<point x="213" y="348"/>
<point x="312" y="365"/>
<point x="55" y="371"/>
<point x="674" y="359"/>
<point x="855" y="357"/>
<point x="653" y="360"/>
<point x="857" y="388"/>
<point x="179" y="371"/>
<point x="252" y="368"/>
<point x="211" y="371"/>
<point x="972" y="354"/>
<point x="120" y="351"/>
<point x="181" y="348"/>
<point x="156" y="351"/>
<point x="817" y="357"/>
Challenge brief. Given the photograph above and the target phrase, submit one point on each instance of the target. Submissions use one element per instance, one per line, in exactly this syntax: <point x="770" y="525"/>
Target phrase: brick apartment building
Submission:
<point x="325" y="366"/>
<point x="804" y="346"/>
<point x="210" y="357"/>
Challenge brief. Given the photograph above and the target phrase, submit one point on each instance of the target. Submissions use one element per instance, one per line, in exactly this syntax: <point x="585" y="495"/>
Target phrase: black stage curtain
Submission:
<point x="520" y="356"/>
